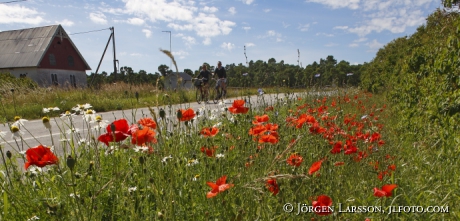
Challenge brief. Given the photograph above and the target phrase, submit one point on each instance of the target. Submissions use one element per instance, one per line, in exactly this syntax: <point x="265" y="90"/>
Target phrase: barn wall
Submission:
<point x="44" y="79"/>
<point x="62" y="49"/>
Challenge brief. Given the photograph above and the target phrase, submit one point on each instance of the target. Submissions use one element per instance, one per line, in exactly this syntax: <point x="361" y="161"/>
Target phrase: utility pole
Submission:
<point x="114" y="54"/>
<point x="170" y="62"/>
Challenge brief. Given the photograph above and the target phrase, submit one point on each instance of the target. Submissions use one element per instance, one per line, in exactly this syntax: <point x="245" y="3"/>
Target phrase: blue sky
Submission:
<point x="213" y="30"/>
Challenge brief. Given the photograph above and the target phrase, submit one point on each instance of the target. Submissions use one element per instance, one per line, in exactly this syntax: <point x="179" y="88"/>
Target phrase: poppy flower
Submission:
<point x="385" y="191"/>
<point x="238" y="107"/>
<point x="271" y="127"/>
<point x="209" y="131"/>
<point x="272" y="186"/>
<point x="269" y="108"/>
<point x="315" y="167"/>
<point x="294" y="160"/>
<point x="322" y="205"/>
<point x="260" y="119"/>
<point x="257" y="130"/>
<point x="186" y="115"/>
<point x="304" y="118"/>
<point x="392" y="167"/>
<point x="147" y="122"/>
<point x="272" y="137"/>
<point x="210" y="152"/>
<point x="121" y="132"/>
<point x="219" y="186"/>
<point x="40" y="156"/>
<point x="143" y="136"/>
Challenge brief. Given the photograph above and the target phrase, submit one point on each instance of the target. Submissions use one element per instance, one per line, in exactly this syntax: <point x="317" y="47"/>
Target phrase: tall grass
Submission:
<point x="116" y="182"/>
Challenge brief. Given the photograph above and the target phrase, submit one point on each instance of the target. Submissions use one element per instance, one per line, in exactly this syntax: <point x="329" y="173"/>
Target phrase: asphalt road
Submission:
<point x="35" y="133"/>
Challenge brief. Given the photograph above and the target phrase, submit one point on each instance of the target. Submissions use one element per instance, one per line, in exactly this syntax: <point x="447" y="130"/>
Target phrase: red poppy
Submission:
<point x="304" y="118"/>
<point x="40" y="156"/>
<point x="257" y="130"/>
<point x="337" y="147"/>
<point x="186" y="115"/>
<point x="143" y="136"/>
<point x="322" y="205"/>
<point x="147" y="122"/>
<point x="271" y="127"/>
<point x="122" y="131"/>
<point x="315" y="167"/>
<point x="392" y="167"/>
<point x="294" y="160"/>
<point x="340" y="163"/>
<point x="272" y="186"/>
<point x="385" y="191"/>
<point x="270" y="108"/>
<point x="219" y="186"/>
<point x="260" y="119"/>
<point x="209" y="131"/>
<point x="238" y="107"/>
<point x="272" y="137"/>
<point x="209" y="151"/>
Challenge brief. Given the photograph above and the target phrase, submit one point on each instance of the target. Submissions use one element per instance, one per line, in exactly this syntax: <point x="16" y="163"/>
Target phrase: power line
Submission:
<point x="89" y="31"/>
<point x="13" y="1"/>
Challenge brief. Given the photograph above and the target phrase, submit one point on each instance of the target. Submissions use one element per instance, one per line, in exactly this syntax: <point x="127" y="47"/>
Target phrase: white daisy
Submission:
<point x="166" y="159"/>
<point x="72" y="130"/>
<point x="220" y="155"/>
<point x="192" y="162"/>
<point x="132" y="189"/>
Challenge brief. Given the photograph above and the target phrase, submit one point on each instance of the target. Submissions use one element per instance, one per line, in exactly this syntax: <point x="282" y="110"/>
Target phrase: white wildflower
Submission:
<point x="363" y="117"/>
<point x="166" y="159"/>
<point x="89" y="115"/>
<point x="67" y="114"/>
<point x="141" y="148"/>
<point x="220" y="155"/>
<point x="192" y="162"/>
<point x="195" y="178"/>
<point x="73" y="195"/>
<point x="72" y="130"/>
<point x="33" y="218"/>
<point x="18" y="121"/>
<point x="17" y="133"/>
<point x="132" y="189"/>
<point x="47" y="110"/>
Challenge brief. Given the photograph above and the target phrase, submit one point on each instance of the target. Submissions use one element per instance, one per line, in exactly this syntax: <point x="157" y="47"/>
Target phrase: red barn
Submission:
<point x="46" y="55"/>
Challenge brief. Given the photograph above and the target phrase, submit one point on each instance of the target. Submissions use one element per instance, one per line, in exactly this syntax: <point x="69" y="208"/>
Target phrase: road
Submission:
<point x="35" y="133"/>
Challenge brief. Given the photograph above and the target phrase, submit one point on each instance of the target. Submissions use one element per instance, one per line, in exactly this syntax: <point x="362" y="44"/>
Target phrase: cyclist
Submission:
<point x="205" y="76"/>
<point x="221" y="78"/>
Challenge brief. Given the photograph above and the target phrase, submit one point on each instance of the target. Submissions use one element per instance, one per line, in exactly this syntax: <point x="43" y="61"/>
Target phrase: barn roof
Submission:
<point x="27" y="47"/>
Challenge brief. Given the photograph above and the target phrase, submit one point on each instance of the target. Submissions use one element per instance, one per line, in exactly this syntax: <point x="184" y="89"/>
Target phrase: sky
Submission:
<point x="298" y="32"/>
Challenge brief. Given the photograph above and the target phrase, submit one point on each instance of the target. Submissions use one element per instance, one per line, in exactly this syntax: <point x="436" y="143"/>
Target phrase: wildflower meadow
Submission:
<point x="302" y="156"/>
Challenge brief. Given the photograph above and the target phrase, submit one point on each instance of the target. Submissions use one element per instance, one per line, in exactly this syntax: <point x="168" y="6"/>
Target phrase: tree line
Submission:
<point x="328" y="72"/>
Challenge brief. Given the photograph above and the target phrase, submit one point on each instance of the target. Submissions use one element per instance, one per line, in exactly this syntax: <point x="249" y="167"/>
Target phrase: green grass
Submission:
<point x="167" y="188"/>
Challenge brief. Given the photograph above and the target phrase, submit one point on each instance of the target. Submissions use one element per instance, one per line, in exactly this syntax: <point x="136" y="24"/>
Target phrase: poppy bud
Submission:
<point x="70" y="162"/>
<point x="162" y="113"/>
<point x="179" y="114"/>
<point x="112" y="127"/>
<point x="8" y="154"/>
<point x="141" y="160"/>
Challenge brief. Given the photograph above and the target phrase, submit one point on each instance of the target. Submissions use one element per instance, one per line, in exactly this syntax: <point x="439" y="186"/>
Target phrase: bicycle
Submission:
<point x="202" y="92"/>
<point x="220" y="94"/>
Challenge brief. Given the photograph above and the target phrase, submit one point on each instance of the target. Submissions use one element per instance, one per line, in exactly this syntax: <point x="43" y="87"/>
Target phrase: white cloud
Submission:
<point x="147" y="33"/>
<point x="207" y="41"/>
<point x="353" y="45"/>
<point x="19" y="14"/>
<point x="208" y="9"/>
<point x="232" y="10"/>
<point x="229" y="46"/>
<point x="352" y="4"/>
<point x="247" y="2"/>
<point x="136" y="55"/>
<point x="304" y="27"/>
<point x="180" y="54"/>
<point x="135" y="21"/>
<point x="374" y="45"/>
<point x="181" y="16"/>
<point x="341" y="27"/>
<point x="249" y="44"/>
<point x="285" y="25"/>
<point x="377" y="16"/>
<point x="65" y="23"/>
<point x="189" y="40"/>
<point x="271" y="33"/>
<point x="98" y="18"/>
<point x="267" y="10"/>
<point x="324" y="34"/>
<point x="278" y="37"/>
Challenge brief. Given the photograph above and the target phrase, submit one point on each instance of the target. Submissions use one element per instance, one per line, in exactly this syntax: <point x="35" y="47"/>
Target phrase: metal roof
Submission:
<point x="26" y="47"/>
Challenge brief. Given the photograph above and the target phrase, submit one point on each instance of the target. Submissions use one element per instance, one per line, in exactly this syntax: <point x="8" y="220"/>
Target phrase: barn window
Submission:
<point x="70" y="61"/>
<point x="52" y="59"/>
<point x="54" y="80"/>
<point x="73" y="82"/>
